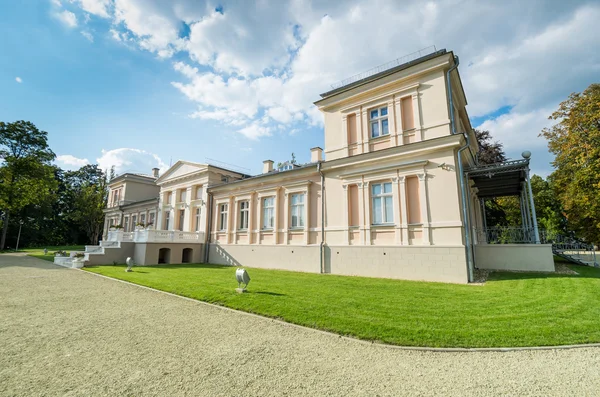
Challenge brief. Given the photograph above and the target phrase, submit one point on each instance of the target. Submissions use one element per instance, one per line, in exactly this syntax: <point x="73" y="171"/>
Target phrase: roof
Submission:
<point x="268" y="174"/>
<point x="384" y="73"/>
<point x="499" y="179"/>
<point x="148" y="178"/>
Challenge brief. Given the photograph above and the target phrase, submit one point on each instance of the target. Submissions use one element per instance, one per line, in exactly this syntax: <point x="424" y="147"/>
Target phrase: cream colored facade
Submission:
<point x="385" y="201"/>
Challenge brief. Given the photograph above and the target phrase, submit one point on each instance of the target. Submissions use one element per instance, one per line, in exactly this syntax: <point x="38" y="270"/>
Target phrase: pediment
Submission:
<point x="181" y="169"/>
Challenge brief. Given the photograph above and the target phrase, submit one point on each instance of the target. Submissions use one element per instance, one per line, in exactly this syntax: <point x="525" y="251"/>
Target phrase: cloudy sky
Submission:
<point x="143" y="83"/>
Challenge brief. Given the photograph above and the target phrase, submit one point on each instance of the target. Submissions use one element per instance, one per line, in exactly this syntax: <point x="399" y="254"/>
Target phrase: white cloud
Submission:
<point x="260" y="65"/>
<point x="56" y="3"/>
<point x="18" y="79"/>
<point x="255" y="131"/>
<point x="95" y="7"/>
<point x="130" y="160"/>
<point x="67" y="18"/>
<point x="88" y="36"/>
<point x="70" y="162"/>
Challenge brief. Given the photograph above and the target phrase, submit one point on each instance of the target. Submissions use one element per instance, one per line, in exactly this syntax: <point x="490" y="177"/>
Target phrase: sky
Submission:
<point x="138" y="84"/>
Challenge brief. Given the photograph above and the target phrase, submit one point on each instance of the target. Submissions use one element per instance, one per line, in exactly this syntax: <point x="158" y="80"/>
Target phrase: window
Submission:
<point x="198" y="192"/>
<point x="151" y="216"/>
<point x="197" y="224"/>
<point x="244" y="214"/>
<point x="223" y="216"/>
<point x="143" y="219"/>
<point x="268" y="213"/>
<point x="126" y="224"/>
<point x="297" y="210"/>
<point x="381" y="196"/>
<point x="182" y="196"/>
<point x="379" y="122"/>
<point x="167" y="216"/>
<point x="133" y="222"/>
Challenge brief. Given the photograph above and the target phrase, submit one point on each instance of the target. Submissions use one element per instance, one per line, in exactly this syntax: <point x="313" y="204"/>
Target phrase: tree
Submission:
<point x="489" y="151"/>
<point x="575" y="142"/>
<point x="25" y="174"/>
<point x="88" y="190"/>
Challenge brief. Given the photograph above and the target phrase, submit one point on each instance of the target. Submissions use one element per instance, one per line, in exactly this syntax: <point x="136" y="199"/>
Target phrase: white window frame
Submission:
<point x="167" y="219"/>
<point x="126" y="224"/>
<point x="197" y="215"/>
<point x="268" y="208"/>
<point x="382" y="196"/>
<point x="378" y="120"/>
<point x="133" y="222"/>
<point x="223" y="213"/>
<point x="299" y="210"/>
<point x="151" y="217"/>
<point x="143" y="219"/>
<point x="244" y="215"/>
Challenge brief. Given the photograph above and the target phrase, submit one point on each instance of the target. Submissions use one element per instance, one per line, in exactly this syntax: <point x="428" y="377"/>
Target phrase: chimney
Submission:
<point x="267" y="166"/>
<point x="316" y="154"/>
<point x="155" y="172"/>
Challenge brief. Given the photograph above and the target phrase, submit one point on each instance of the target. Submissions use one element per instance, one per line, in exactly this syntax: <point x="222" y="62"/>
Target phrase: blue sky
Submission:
<point x="138" y="83"/>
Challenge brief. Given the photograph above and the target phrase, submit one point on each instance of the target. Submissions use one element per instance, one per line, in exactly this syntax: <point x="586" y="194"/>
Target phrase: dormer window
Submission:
<point x="378" y="119"/>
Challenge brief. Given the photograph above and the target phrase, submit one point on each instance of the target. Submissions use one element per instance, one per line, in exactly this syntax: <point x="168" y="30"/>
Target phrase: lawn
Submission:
<point x="39" y="252"/>
<point x="511" y="309"/>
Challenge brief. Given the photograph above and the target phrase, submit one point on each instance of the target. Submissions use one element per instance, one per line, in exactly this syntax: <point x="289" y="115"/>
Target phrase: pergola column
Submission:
<point x="533" y="215"/>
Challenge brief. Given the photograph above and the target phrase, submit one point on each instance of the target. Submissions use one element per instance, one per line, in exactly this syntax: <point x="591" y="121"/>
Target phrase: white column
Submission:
<point x="424" y="208"/>
<point x="365" y="134"/>
<point x="403" y="209"/>
<point x="252" y="222"/>
<point x="367" y="193"/>
<point x="399" y="129"/>
<point x="536" y="232"/>
<point x="396" y="200"/>
<point x="286" y="218"/>
<point x="417" y="117"/>
<point x="307" y="212"/>
<point x="188" y="216"/>
<point x="346" y="209"/>
<point x="230" y="215"/>
<point x="276" y="216"/>
<point x="235" y="211"/>
<point x="392" y="123"/>
<point x="361" y="214"/>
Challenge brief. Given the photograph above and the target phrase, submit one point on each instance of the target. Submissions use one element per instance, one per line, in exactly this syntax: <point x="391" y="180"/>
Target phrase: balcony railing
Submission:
<point x="505" y="235"/>
<point x="156" y="236"/>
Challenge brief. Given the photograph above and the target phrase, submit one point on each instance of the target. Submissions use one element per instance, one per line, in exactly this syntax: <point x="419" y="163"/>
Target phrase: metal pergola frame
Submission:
<point x="508" y="178"/>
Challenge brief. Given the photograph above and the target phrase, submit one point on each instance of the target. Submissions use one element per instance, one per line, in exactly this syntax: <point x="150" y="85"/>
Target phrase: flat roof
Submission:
<point x="499" y="179"/>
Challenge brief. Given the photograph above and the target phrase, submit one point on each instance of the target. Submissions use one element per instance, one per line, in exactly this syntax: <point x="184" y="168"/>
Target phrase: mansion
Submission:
<point x="396" y="192"/>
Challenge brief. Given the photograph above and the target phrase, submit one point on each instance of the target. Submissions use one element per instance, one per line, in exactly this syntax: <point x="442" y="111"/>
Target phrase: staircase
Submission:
<point x="573" y="250"/>
<point x="90" y="252"/>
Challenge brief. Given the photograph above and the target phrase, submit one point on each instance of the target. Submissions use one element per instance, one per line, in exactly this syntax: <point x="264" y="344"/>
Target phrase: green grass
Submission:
<point x="39" y="252"/>
<point x="511" y="309"/>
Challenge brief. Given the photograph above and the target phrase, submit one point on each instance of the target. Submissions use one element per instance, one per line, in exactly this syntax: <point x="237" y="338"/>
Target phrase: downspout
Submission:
<point x="322" y="216"/>
<point x="209" y="207"/>
<point x="463" y="188"/>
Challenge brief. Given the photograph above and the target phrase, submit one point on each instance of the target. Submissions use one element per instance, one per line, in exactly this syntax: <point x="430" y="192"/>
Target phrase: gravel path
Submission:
<point x="66" y="332"/>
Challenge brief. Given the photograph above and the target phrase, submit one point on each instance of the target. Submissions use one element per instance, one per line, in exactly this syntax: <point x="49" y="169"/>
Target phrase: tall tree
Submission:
<point x="489" y="151"/>
<point x="89" y="193"/>
<point x="575" y="142"/>
<point x="25" y="174"/>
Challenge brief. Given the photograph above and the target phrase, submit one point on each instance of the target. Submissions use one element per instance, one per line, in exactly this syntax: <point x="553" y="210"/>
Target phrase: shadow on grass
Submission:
<point x="267" y="293"/>
<point x="583" y="272"/>
<point x="177" y="266"/>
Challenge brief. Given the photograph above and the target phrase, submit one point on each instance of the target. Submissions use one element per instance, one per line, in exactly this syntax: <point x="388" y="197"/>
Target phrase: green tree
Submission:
<point x="88" y="190"/>
<point x="490" y="151"/>
<point x="26" y="176"/>
<point x="575" y="142"/>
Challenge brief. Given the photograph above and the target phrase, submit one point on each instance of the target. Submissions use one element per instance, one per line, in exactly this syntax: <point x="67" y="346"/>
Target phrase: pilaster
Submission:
<point x="424" y="207"/>
<point x="403" y="209"/>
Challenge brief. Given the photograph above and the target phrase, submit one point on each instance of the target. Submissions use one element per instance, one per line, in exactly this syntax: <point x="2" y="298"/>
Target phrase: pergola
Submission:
<point x="508" y="178"/>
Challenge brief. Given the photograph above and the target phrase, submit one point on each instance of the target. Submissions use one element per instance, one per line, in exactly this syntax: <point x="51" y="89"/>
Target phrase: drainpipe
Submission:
<point x="322" y="216"/>
<point x="463" y="188"/>
<point x="209" y="208"/>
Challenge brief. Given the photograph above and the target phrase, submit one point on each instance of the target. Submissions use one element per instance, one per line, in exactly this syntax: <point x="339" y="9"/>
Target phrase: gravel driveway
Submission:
<point x="66" y="332"/>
